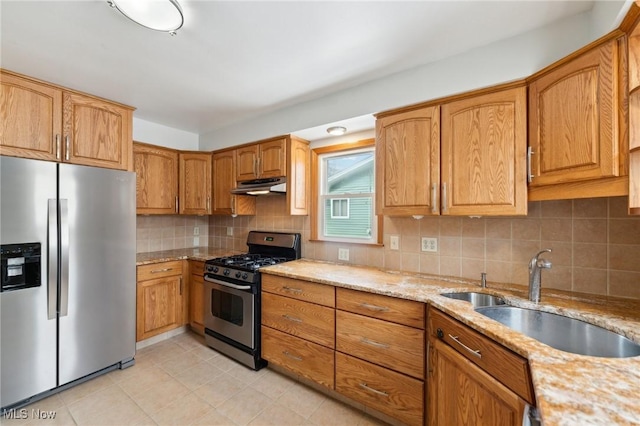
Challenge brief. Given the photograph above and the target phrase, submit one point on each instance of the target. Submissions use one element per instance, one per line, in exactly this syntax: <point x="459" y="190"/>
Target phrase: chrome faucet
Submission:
<point x="535" y="268"/>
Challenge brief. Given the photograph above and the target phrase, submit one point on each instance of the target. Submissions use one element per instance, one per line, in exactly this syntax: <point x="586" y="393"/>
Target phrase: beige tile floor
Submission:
<point x="181" y="381"/>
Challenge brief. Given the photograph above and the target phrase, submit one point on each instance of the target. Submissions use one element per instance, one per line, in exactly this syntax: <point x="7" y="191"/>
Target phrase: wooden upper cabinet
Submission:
<point x="483" y="154"/>
<point x="273" y="158"/>
<point x="573" y="119"/>
<point x="156" y="179"/>
<point x="408" y="162"/>
<point x="46" y="122"/>
<point x="262" y="160"/>
<point x="30" y="119"/>
<point x="96" y="132"/>
<point x="224" y="180"/>
<point x="298" y="177"/>
<point x="633" y="46"/>
<point x="195" y="182"/>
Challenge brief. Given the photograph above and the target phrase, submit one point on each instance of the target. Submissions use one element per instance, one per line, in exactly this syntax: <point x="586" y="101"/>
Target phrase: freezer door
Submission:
<point x="98" y="271"/>
<point x="27" y="335"/>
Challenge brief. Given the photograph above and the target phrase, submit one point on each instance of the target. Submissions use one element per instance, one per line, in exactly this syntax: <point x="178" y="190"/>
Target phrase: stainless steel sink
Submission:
<point x="563" y="333"/>
<point x="476" y="299"/>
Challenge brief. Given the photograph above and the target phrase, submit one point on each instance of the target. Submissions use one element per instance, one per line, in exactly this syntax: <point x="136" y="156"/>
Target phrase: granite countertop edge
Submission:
<point x="570" y="389"/>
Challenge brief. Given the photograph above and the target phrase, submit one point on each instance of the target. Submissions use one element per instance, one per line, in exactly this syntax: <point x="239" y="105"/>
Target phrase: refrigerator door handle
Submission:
<point x="64" y="257"/>
<point x="52" y="276"/>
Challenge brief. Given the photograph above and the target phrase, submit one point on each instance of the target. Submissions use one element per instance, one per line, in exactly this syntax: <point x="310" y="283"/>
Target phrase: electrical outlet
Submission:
<point x="230" y="231"/>
<point x="196" y="241"/>
<point x="343" y="254"/>
<point x="394" y="242"/>
<point x="429" y="244"/>
<point x="196" y="230"/>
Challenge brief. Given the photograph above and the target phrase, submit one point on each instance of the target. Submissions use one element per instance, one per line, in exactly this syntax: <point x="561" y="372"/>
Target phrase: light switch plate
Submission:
<point x="343" y="254"/>
<point x="429" y="244"/>
<point x="196" y="241"/>
<point x="196" y="230"/>
<point x="230" y="231"/>
<point x="394" y="242"/>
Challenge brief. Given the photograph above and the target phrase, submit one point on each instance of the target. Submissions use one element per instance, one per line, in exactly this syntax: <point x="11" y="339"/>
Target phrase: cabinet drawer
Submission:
<point x="159" y="270"/>
<point x="303" y="319"/>
<point x="401" y="311"/>
<point x="384" y="390"/>
<point x="299" y="356"/>
<point x="509" y="368"/>
<point x="321" y="294"/>
<point x="381" y="342"/>
<point x="196" y="267"/>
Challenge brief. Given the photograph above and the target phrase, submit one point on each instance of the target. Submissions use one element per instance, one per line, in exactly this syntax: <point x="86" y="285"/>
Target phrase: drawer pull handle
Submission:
<point x="292" y="290"/>
<point x="290" y="318"/>
<point x="287" y="354"/>
<point x="473" y="352"/>
<point x="374" y="307"/>
<point x="374" y="343"/>
<point x="370" y="389"/>
<point x="155" y="271"/>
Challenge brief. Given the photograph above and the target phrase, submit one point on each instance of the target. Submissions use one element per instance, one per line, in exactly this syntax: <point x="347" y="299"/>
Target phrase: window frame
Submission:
<point x="316" y="166"/>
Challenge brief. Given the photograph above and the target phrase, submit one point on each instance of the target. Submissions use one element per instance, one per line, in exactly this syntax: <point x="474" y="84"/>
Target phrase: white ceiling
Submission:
<point x="234" y="60"/>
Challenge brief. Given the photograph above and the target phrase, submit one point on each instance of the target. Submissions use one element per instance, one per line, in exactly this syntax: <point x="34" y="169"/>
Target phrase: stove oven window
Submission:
<point x="227" y="307"/>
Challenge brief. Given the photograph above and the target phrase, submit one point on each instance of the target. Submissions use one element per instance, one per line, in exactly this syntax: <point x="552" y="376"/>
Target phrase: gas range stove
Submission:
<point x="265" y="249"/>
<point x="242" y="267"/>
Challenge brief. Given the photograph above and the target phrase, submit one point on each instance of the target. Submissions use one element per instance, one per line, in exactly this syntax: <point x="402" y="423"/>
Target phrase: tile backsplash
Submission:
<point x="596" y="245"/>
<point x="156" y="233"/>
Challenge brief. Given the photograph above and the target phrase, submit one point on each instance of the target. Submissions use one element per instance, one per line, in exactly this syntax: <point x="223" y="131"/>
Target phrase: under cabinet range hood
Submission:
<point x="261" y="186"/>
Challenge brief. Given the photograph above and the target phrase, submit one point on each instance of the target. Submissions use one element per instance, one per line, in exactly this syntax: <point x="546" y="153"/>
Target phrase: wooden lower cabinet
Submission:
<point x="460" y="393"/>
<point x="390" y="345"/>
<point x="196" y="296"/>
<point x="389" y="392"/>
<point x="160" y="299"/>
<point x="309" y="360"/>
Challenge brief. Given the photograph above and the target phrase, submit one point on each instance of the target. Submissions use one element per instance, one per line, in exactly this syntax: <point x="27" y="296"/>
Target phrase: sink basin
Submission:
<point x="563" y="333"/>
<point x="476" y="299"/>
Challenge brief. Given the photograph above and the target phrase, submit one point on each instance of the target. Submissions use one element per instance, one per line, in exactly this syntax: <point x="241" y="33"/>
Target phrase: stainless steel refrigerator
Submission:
<point x="68" y="300"/>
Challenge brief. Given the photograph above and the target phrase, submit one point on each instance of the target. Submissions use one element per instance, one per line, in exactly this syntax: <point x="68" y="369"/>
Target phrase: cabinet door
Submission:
<point x="247" y="163"/>
<point x="408" y="163"/>
<point x="572" y="119"/>
<point x="196" y="296"/>
<point x="273" y="159"/>
<point x="195" y="183"/>
<point x="97" y="133"/>
<point x="462" y="394"/>
<point x="634" y="118"/>
<point x="159" y="306"/>
<point x="484" y="142"/>
<point x="30" y="119"/>
<point x="224" y="180"/>
<point x="156" y="179"/>
<point x="299" y="178"/>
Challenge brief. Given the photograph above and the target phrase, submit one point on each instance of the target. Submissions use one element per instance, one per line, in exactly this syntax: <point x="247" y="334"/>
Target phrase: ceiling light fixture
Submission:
<point x="165" y="15"/>
<point x="337" y="130"/>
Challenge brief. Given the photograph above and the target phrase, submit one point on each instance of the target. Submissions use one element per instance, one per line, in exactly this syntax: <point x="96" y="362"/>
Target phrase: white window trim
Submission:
<point x="344" y="216"/>
<point x="323" y="196"/>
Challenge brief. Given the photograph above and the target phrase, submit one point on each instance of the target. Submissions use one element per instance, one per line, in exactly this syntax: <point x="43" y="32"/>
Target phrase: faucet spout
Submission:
<point x="536" y="265"/>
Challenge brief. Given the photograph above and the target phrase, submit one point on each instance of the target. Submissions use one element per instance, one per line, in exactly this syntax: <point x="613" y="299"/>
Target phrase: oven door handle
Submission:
<point x="237" y="287"/>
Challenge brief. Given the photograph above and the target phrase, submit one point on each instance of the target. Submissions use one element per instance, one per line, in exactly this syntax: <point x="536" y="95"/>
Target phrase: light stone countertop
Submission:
<point x="197" y="253"/>
<point x="570" y="389"/>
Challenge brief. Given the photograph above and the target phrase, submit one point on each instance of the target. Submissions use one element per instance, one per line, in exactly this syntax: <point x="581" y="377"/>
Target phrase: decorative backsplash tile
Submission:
<point x="596" y="245"/>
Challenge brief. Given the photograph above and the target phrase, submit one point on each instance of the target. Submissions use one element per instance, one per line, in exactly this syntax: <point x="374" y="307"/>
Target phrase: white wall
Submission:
<point x="158" y="134"/>
<point x="503" y="61"/>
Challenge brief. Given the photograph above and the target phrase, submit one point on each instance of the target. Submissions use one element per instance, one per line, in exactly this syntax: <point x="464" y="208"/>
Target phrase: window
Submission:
<point x="339" y="208"/>
<point x="344" y="187"/>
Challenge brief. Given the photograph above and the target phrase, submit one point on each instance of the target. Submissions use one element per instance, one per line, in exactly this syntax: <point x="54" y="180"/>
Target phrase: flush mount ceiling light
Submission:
<point x="337" y="130"/>
<point x="158" y="15"/>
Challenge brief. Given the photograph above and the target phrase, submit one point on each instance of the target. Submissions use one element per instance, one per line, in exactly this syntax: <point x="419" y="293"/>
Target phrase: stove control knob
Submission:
<point x="238" y="274"/>
<point x="215" y="269"/>
<point x="245" y="276"/>
<point x="226" y="272"/>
